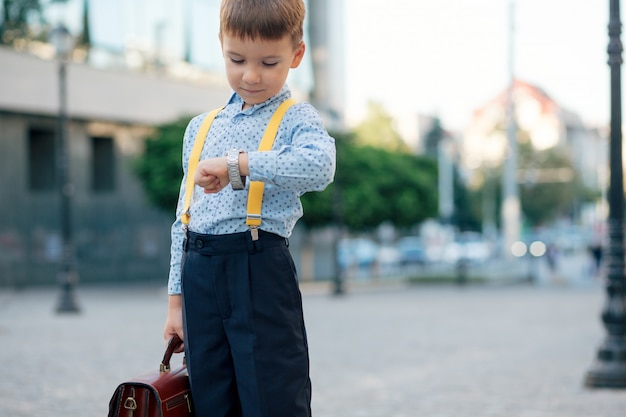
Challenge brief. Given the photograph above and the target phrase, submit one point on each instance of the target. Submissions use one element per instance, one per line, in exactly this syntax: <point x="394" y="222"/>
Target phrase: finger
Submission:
<point x="212" y="190"/>
<point x="201" y="179"/>
<point x="213" y="187"/>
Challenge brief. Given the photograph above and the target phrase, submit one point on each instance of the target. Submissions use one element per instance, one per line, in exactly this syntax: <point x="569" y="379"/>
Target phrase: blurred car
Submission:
<point x="361" y="252"/>
<point x="468" y="246"/>
<point x="411" y="251"/>
<point x="388" y="260"/>
<point x="388" y="255"/>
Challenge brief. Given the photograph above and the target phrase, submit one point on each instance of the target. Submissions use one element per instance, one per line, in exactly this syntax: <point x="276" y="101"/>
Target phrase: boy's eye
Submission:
<point x="236" y="61"/>
<point x="270" y="64"/>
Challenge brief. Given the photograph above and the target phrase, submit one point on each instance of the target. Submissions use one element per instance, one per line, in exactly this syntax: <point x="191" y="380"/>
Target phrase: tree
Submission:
<point x="373" y="186"/>
<point x="467" y="206"/>
<point x="377" y="130"/>
<point x="550" y="187"/>
<point x="466" y="215"/>
<point x="85" y="36"/>
<point x="16" y="15"/>
<point x="160" y="166"/>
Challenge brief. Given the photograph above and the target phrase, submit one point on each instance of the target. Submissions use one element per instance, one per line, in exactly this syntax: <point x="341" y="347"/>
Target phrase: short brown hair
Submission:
<point x="265" y="19"/>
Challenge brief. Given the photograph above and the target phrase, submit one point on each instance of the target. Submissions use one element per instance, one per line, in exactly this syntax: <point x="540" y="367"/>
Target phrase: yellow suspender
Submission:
<point x="255" y="192"/>
<point x="194" y="158"/>
<point x="256" y="188"/>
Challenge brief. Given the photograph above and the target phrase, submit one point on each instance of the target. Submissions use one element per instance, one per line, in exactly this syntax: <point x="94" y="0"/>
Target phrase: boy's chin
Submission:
<point x="253" y="99"/>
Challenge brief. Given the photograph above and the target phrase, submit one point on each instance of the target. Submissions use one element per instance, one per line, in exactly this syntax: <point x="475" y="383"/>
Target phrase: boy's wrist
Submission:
<point x="175" y="301"/>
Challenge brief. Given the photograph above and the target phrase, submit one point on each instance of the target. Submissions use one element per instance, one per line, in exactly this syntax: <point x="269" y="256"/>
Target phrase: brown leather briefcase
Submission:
<point x="165" y="393"/>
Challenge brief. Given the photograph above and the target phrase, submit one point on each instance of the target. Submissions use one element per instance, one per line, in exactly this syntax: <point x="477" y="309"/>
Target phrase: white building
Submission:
<point x="547" y="125"/>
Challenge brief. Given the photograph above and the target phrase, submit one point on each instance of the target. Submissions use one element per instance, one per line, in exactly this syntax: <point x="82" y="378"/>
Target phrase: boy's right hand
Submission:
<point x="212" y="175"/>
<point x="174" y="321"/>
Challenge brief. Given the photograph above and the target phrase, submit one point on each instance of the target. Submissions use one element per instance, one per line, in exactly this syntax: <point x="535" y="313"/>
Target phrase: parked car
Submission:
<point x="411" y="250"/>
<point x="359" y="252"/>
<point x="468" y="246"/>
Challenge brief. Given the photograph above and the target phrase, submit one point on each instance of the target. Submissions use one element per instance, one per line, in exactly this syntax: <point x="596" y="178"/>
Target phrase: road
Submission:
<point x="387" y="350"/>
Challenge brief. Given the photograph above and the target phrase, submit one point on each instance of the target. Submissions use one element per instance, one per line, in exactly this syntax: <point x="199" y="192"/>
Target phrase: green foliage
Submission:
<point x="545" y="196"/>
<point x="372" y="186"/>
<point x="550" y="188"/>
<point x="377" y="130"/>
<point x="467" y="206"/>
<point x="160" y="167"/>
<point x="15" y="19"/>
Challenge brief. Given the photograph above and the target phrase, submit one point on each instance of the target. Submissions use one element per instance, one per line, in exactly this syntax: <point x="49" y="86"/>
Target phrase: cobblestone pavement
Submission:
<point x="386" y="351"/>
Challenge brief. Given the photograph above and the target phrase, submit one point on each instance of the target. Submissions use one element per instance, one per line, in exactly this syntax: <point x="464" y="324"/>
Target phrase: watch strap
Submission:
<point x="237" y="181"/>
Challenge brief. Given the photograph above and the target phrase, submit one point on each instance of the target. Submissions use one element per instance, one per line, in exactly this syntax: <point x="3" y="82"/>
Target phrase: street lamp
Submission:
<point x="63" y="43"/>
<point x="609" y="368"/>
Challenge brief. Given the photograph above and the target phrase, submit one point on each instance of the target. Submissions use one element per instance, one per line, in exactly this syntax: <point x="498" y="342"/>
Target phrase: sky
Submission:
<point x="436" y="57"/>
<point x="449" y="57"/>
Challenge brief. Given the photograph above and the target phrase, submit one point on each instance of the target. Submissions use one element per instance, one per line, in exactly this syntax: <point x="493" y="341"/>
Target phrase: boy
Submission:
<point x="233" y="299"/>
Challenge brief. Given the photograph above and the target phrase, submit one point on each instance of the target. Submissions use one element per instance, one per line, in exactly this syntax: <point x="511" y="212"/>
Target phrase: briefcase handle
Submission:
<point x="172" y="345"/>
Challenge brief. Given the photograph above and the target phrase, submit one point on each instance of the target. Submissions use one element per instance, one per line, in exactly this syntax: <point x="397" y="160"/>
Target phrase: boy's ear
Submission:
<point x="297" y="58"/>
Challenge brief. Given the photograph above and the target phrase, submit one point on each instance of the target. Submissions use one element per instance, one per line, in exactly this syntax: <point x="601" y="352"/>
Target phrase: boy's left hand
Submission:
<point x="212" y="175"/>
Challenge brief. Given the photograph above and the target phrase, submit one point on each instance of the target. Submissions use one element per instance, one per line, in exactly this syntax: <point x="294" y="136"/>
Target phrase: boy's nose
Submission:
<point x="251" y="76"/>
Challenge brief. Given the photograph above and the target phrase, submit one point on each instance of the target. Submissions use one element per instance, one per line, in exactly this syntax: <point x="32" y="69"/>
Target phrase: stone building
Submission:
<point x="118" y="235"/>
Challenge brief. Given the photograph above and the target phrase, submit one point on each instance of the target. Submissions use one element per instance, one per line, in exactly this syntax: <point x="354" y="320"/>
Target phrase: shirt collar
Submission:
<point x="282" y="95"/>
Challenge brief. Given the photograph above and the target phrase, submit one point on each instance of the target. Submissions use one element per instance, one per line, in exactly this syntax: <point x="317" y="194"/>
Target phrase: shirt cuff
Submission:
<point x="262" y="166"/>
<point x="173" y="285"/>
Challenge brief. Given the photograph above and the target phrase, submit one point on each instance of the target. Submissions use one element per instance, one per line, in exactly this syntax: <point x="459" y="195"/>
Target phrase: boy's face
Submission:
<point x="257" y="69"/>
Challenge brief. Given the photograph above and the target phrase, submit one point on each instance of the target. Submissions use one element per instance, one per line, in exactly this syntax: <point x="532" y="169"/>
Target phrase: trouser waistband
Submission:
<point x="232" y="243"/>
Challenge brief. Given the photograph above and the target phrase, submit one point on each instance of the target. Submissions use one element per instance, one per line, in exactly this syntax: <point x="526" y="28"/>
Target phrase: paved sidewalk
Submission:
<point x="392" y="351"/>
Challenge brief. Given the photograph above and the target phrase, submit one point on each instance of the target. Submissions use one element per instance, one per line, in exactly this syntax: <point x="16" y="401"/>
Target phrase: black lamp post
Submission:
<point x="62" y="40"/>
<point x="609" y="369"/>
<point x="339" y="279"/>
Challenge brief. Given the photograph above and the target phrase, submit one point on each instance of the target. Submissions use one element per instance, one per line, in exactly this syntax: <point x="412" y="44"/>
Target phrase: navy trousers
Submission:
<point x="245" y="341"/>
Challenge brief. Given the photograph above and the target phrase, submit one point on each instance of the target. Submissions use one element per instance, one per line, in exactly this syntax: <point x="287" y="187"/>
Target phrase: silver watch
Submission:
<point x="237" y="181"/>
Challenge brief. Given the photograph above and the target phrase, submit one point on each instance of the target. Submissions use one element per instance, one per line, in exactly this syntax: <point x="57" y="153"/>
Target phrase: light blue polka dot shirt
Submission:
<point x="301" y="160"/>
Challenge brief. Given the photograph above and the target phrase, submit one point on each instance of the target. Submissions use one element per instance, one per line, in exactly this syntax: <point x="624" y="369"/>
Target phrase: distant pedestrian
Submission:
<point x="233" y="291"/>
<point x="595" y="250"/>
<point x="552" y="258"/>
<point x="552" y="253"/>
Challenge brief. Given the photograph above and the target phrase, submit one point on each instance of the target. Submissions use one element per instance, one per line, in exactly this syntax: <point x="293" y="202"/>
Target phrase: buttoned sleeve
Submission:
<point x="177" y="235"/>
